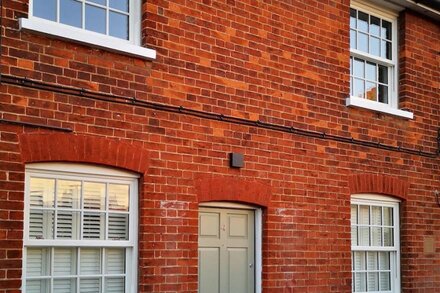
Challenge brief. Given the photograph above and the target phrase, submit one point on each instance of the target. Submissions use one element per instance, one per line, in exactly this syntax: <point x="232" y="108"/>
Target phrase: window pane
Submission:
<point x="118" y="197"/>
<point x="67" y="225"/>
<point x="68" y="194"/>
<point x="115" y="261"/>
<point x="37" y="262"/>
<point x="101" y="2"/>
<point x="364" y="236"/>
<point x="374" y="46"/>
<point x="37" y="286"/>
<point x="374" y="26"/>
<point x="376" y="215"/>
<point x="93" y="225"/>
<point x="383" y="74"/>
<point x="384" y="260"/>
<point x="372" y="261"/>
<point x="352" y="39"/>
<point x="118" y="226"/>
<point x="94" y="196"/>
<point x="64" y="263"/>
<point x="385" y="283"/>
<point x="358" y="68"/>
<point x="386" y="30"/>
<point x="358" y="89"/>
<point x="90" y="262"/>
<point x="370" y="71"/>
<point x="362" y="24"/>
<point x="119" y="4"/>
<point x="354" y="214"/>
<point x="95" y="19"/>
<point x="118" y="25"/>
<point x="70" y="13"/>
<point x="373" y="281"/>
<point x="64" y="285"/>
<point x="376" y="236"/>
<point x="388" y="54"/>
<point x="364" y="215"/>
<point x="45" y="9"/>
<point x="362" y="43"/>
<point x="115" y="285"/>
<point x="41" y="224"/>
<point x="371" y="91"/>
<point x="354" y="233"/>
<point x="360" y="282"/>
<point x="388" y="237"/>
<point x="385" y="50"/>
<point x="42" y="192"/>
<point x="387" y="216"/>
<point x="90" y="285"/>
<point x="383" y="94"/>
<point x="359" y="261"/>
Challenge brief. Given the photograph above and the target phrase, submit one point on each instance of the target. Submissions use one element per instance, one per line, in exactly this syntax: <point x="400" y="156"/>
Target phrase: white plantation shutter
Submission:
<point x="67" y="224"/>
<point x="90" y="261"/>
<point x="114" y="285"/>
<point x="42" y="192"/>
<point x="64" y="263"/>
<point x="64" y="285"/>
<point x="41" y="224"/>
<point x="118" y="197"/>
<point x="114" y="261"/>
<point x="37" y="286"/>
<point x="92" y="213"/>
<point x="68" y="194"/>
<point x="90" y="285"/>
<point x="93" y="225"/>
<point x="118" y="226"/>
<point x="36" y="262"/>
<point x="94" y="195"/>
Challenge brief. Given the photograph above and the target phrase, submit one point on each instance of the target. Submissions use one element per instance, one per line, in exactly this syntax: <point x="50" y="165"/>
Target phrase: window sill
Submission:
<point x="85" y="37"/>
<point x="378" y="107"/>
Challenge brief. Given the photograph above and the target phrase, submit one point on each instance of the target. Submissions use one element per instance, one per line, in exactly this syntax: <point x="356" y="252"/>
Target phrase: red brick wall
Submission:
<point x="283" y="62"/>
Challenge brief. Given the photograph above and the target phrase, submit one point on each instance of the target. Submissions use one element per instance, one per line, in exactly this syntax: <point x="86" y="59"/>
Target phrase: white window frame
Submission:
<point x="56" y="29"/>
<point x="393" y="101"/>
<point x="383" y="201"/>
<point x="87" y="172"/>
<point x="258" y="234"/>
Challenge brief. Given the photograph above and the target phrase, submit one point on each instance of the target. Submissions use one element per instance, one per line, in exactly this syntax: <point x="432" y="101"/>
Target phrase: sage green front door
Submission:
<point x="226" y="251"/>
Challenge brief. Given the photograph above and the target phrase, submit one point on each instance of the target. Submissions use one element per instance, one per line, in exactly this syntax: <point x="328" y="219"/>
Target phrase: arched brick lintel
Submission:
<point x="380" y="184"/>
<point x="233" y="189"/>
<point x="61" y="147"/>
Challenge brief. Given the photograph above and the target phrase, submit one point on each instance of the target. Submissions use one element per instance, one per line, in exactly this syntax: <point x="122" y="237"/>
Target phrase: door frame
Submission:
<point x="258" y="227"/>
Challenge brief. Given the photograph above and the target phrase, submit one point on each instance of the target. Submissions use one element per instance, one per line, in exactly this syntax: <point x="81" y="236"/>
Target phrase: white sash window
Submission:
<point x="80" y="229"/>
<point x="375" y="244"/>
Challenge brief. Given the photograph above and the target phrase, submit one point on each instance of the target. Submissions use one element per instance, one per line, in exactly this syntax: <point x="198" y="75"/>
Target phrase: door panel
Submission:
<point x="238" y="265"/>
<point x="226" y="251"/>
<point x="209" y="264"/>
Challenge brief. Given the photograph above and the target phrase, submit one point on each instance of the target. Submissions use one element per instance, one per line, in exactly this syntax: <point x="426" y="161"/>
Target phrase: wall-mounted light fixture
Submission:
<point x="437" y="196"/>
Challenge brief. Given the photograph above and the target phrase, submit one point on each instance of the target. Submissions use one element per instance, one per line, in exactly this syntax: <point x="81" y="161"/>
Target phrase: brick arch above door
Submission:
<point x="61" y="147"/>
<point x="378" y="184"/>
<point x="233" y="189"/>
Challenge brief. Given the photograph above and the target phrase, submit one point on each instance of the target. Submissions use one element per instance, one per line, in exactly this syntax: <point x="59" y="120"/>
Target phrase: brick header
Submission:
<point x="83" y="149"/>
<point x="226" y="188"/>
<point x="378" y="183"/>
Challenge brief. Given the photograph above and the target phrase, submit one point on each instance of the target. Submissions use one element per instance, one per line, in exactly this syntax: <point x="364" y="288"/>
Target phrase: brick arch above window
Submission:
<point x="233" y="189"/>
<point x="53" y="147"/>
<point x="379" y="184"/>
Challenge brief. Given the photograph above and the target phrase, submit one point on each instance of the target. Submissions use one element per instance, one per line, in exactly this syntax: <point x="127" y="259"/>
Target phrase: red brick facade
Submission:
<point x="280" y="62"/>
